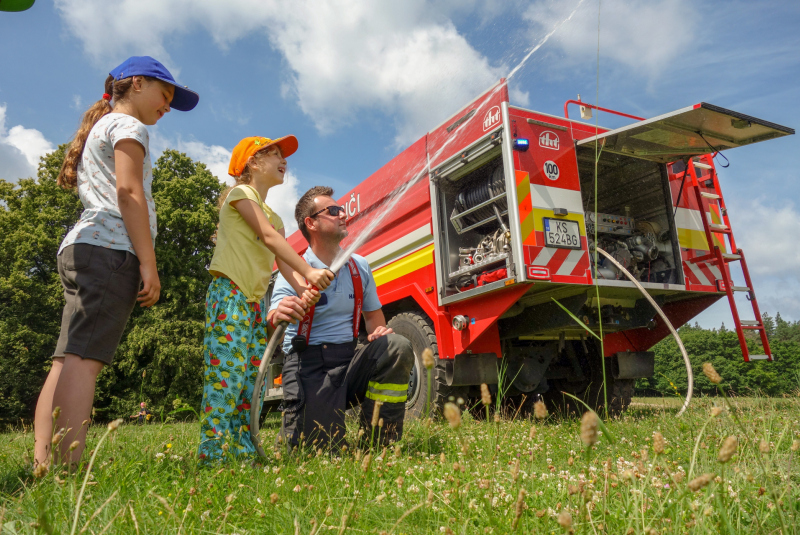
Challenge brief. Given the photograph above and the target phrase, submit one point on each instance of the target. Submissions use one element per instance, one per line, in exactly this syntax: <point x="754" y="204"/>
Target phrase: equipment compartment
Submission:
<point x="473" y="219"/>
<point x="634" y="219"/>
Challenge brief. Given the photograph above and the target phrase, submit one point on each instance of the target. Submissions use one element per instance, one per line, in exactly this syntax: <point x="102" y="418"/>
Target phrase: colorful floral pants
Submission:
<point x="235" y="339"/>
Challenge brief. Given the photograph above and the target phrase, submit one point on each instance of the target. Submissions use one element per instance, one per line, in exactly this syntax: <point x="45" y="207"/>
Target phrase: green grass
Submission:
<point x="145" y="479"/>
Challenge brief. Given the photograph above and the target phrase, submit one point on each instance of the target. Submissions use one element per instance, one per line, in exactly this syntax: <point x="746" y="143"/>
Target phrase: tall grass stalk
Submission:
<point x="111" y="428"/>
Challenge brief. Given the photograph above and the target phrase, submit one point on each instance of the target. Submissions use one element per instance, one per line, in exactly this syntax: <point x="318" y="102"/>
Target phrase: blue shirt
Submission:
<point x="333" y="316"/>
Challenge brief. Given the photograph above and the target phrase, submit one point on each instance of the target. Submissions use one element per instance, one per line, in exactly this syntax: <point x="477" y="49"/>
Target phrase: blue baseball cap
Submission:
<point x="184" y="100"/>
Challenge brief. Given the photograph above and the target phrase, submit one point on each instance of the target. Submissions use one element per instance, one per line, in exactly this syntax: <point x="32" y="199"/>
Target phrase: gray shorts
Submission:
<point x="100" y="289"/>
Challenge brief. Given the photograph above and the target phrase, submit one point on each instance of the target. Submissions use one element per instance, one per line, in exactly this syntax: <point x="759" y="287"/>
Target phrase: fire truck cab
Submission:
<point x="487" y="257"/>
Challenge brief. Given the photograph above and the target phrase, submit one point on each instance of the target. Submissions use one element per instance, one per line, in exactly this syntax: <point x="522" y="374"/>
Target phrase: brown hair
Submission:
<point x="68" y="177"/>
<point x="244" y="178"/>
<point x="305" y="207"/>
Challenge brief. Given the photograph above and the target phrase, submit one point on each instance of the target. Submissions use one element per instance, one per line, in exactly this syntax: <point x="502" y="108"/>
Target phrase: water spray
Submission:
<point x="344" y="255"/>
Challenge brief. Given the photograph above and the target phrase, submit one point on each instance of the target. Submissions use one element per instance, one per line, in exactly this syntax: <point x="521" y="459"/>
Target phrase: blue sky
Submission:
<point x="357" y="81"/>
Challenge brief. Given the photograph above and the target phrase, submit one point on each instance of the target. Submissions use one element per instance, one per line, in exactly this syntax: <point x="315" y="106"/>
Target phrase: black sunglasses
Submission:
<point x="332" y="210"/>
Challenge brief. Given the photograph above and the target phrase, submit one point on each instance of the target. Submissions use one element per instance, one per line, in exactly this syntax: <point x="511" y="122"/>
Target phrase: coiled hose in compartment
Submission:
<point x="493" y="186"/>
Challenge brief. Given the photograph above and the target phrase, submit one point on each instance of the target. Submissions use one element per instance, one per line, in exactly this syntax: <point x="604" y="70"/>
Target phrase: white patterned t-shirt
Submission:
<point x="101" y="221"/>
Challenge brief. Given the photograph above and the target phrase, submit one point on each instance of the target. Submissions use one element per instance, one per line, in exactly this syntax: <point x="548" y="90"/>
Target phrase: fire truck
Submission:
<point x="482" y="256"/>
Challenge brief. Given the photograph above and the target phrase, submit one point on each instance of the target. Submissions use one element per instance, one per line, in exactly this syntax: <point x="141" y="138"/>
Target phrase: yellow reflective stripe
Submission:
<point x="404" y="266"/>
<point x="388" y="386"/>
<point x="387" y="399"/>
<point x="387" y="392"/>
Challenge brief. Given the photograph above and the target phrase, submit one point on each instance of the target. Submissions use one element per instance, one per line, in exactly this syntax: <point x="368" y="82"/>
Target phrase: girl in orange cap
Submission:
<point x="250" y="239"/>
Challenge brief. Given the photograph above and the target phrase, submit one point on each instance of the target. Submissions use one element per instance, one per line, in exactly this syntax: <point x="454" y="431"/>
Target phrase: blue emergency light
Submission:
<point x="521" y="144"/>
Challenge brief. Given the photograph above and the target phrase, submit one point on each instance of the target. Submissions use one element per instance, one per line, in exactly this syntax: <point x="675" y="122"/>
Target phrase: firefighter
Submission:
<point x="324" y="374"/>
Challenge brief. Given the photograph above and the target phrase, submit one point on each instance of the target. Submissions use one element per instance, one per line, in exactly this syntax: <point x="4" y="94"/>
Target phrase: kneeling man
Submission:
<point x="323" y="374"/>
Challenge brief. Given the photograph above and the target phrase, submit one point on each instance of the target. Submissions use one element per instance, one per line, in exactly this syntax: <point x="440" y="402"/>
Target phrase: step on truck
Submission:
<point x="481" y="257"/>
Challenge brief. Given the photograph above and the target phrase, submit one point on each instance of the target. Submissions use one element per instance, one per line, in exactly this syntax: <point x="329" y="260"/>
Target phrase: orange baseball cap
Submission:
<point x="250" y="145"/>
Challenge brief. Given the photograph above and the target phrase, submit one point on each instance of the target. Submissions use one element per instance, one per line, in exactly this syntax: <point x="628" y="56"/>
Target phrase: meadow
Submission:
<point x="646" y="471"/>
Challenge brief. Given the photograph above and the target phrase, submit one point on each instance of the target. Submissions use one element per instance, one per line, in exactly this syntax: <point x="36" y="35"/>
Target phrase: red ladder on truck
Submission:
<point x="707" y="201"/>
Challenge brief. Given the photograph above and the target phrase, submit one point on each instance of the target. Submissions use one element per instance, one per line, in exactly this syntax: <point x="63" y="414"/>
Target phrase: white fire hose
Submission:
<point x="671" y="328"/>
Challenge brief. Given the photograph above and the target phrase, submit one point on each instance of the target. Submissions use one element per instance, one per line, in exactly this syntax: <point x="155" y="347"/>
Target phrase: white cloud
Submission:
<point x="20" y="149"/>
<point x="768" y="235"/>
<point x="644" y="35"/>
<point x="406" y="59"/>
<point x="281" y="198"/>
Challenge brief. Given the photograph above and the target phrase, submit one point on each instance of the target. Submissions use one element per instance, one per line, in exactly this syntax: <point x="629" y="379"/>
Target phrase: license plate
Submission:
<point x="561" y="233"/>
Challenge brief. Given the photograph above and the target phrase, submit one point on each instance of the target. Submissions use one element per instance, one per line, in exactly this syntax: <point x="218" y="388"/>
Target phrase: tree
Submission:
<point x="165" y="340"/>
<point x="34" y="217"/>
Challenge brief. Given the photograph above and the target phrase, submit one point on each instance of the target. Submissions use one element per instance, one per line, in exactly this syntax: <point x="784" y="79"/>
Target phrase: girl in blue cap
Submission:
<point x="107" y="261"/>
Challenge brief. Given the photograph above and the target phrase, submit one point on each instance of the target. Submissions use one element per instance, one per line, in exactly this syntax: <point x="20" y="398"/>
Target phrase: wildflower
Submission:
<point x="453" y="415"/>
<point x="399" y="482"/>
<point x="74" y="445"/>
<point x="728" y="449"/>
<point x="328" y="511"/>
<point x="700" y="482"/>
<point x="57" y="437"/>
<point x="589" y="424"/>
<point x="711" y="373"/>
<point x="397" y="450"/>
<point x="169" y="446"/>
<point x="497" y="417"/>
<point x="380" y="422"/>
<point x="795" y="445"/>
<point x="366" y="462"/>
<point x="427" y="358"/>
<point x="763" y="446"/>
<point x="519" y="506"/>
<point x="716" y="411"/>
<point x="515" y="470"/>
<point x="658" y="443"/>
<point x="56" y="413"/>
<point x="113" y="426"/>
<point x="297" y="488"/>
<point x="273" y="498"/>
<point x="431" y="496"/>
<point x="41" y="470"/>
<point x="144" y="372"/>
<point x="376" y="413"/>
<point x="565" y="520"/>
<point x="486" y="397"/>
<point x="540" y="410"/>
<point x="532" y="432"/>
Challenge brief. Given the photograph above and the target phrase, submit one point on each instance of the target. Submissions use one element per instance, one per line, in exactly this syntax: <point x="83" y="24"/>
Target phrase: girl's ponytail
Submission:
<point x="68" y="177"/>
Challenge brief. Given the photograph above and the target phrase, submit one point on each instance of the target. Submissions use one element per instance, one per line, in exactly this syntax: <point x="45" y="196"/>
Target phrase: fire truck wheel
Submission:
<point x="419" y="331"/>
<point x="620" y="391"/>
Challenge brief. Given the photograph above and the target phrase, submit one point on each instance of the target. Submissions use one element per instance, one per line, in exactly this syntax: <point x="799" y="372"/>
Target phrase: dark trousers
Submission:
<point x="323" y="381"/>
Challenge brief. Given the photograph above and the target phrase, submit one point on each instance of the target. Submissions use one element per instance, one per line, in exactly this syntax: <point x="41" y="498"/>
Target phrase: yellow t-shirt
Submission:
<point x="240" y="255"/>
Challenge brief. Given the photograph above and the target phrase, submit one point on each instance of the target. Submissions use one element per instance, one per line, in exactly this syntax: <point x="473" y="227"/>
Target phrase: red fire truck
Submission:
<point x="476" y="259"/>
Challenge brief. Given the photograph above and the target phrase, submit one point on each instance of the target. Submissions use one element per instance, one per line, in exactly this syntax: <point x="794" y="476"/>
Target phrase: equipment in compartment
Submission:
<point x="478" y="238"/>
<point x="480" y="204"/>
<point x="640" y="247"/>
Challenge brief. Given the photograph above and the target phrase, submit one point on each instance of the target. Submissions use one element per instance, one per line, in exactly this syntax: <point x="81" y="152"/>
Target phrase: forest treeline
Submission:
<point x="160" y="357"/>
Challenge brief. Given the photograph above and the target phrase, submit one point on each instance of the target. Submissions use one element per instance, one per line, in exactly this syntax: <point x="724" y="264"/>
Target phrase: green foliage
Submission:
<point x="721" y="348"/>
<point x="165" y="340"/>
<point x="34" y="217"/>
<point x="507" y="477"/>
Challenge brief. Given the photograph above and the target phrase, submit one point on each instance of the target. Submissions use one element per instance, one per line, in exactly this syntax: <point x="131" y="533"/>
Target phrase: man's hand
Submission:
<point x="291" y="309"/>
<point x="380" y="331"/>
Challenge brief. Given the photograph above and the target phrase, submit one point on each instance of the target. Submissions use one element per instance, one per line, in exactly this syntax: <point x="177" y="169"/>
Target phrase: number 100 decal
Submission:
<point x="551" y="170"/>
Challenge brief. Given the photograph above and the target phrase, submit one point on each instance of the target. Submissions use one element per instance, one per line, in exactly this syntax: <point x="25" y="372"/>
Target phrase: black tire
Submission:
<point x="418" y="330"/>
<point x="619" y="391"/>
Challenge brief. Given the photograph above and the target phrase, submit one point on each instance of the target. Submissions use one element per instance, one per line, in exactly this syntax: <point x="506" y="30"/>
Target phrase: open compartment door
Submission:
<point x="699" y="129"/>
